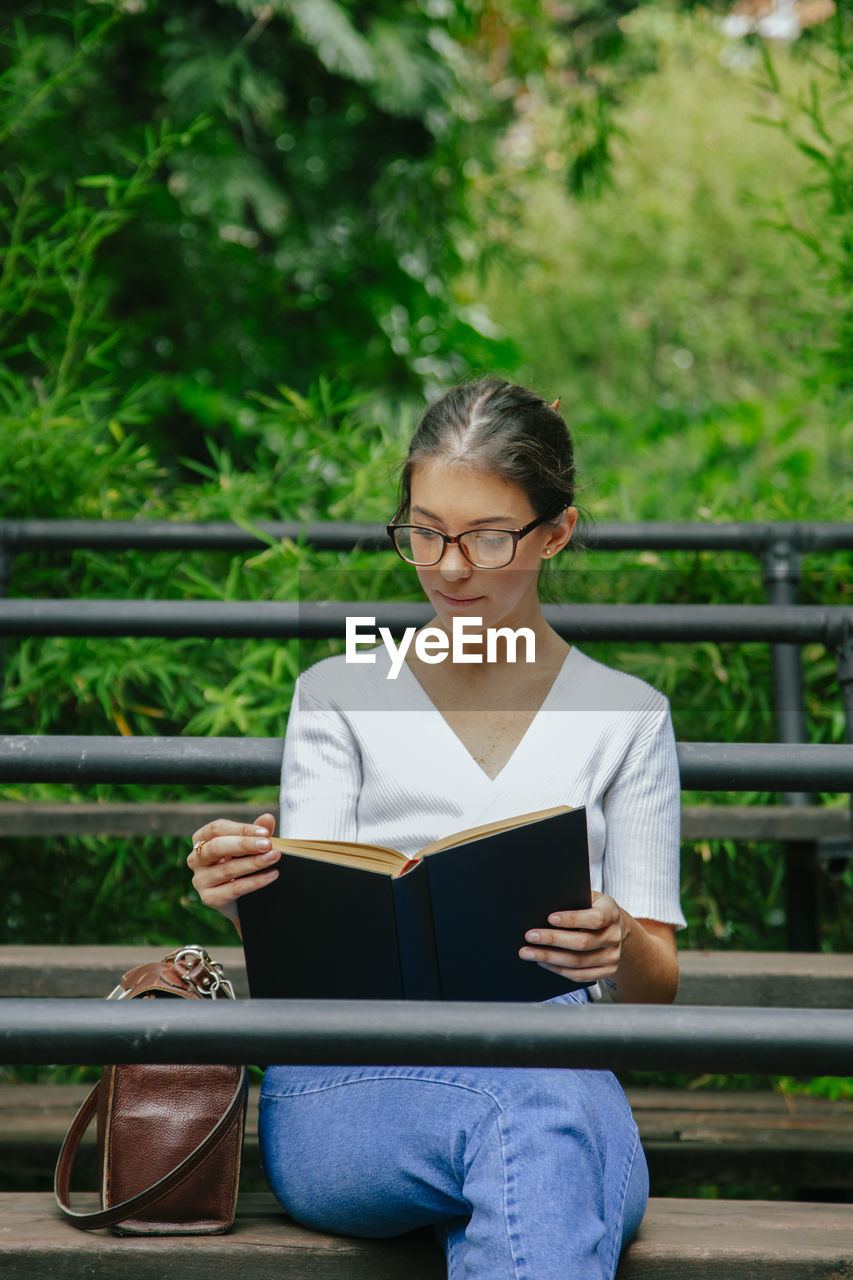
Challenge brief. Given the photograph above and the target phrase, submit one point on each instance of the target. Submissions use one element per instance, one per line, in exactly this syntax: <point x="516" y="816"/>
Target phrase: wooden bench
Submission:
<point x="691" y="1138"/>
<point x="774" y="978"/>
<point x="698" y="822"/>
<point x="679" y="1239"/>
<point x="767" y="1141"/>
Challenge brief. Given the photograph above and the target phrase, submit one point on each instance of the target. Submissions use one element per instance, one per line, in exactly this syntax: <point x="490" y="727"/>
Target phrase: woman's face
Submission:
<point x="453" y="498"/>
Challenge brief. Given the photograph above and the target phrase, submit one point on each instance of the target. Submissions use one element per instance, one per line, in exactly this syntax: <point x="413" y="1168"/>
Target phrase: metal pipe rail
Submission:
<point x="790" y="624"/>
<point x="235" y="762"/>
<point x="167" y="535"/>
<point x="617" y="1037"/>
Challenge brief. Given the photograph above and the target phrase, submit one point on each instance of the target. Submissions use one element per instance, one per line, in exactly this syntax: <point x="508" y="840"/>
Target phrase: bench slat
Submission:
<point x="698" y="822"/>
<point x="705" y="1240"/>
<point x="777" y="979"/>
<point x="700" y="1137"/>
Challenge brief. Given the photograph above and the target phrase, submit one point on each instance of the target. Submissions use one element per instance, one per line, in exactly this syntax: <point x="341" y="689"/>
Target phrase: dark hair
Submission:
<point x="505" y="430"/>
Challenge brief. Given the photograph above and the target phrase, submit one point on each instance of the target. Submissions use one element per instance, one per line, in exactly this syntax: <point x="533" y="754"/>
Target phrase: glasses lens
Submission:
<point x="419" y="546"/>
<point x="488" y="548"/>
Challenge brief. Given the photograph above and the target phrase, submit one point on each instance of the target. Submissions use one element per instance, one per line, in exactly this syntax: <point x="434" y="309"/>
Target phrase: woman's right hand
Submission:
<point x="230" y="859"/>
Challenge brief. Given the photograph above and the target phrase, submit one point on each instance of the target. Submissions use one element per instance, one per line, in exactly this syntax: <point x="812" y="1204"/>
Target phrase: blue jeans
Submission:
<point x="525" y="1174"/>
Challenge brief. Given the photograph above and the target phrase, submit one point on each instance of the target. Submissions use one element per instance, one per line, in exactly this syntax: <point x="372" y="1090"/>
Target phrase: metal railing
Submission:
<point x="783" y="626"/>
<point x="326" y="619"/>
<point x="616" y="1037"/>
<point x="239" y="762"/>
<point x="781" y="539"/>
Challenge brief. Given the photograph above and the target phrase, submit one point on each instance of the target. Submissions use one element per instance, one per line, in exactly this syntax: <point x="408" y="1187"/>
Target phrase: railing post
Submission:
<point x="780" y="562"/>
<point x="845" y="676"/>
<point x="844" y="660"/>
<point x="5" y="576"/>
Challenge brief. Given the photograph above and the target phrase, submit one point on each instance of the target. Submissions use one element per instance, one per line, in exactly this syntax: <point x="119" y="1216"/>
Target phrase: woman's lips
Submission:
<point x="459" y="601"/>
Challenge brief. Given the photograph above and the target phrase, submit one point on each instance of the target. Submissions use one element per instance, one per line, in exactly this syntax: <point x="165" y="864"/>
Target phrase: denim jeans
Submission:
<point x="524" y="1173"/>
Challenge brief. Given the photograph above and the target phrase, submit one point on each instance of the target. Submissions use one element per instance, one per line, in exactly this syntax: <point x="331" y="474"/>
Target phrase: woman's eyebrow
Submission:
<point x="483" y="520"/>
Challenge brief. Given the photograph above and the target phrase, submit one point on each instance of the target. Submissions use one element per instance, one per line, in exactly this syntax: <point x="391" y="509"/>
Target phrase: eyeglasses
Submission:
<point x="482" y="548"/>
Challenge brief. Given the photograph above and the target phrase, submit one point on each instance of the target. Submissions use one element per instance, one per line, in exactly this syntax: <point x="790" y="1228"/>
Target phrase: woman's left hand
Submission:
<point x="583" y="946"/>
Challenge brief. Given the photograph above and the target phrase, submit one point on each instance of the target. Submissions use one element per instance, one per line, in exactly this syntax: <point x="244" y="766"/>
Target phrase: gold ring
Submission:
<point x="197" y="848"/>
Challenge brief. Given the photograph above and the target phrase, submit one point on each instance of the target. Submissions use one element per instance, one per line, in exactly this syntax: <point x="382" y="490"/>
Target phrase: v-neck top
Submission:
<point x="372" y="759"/>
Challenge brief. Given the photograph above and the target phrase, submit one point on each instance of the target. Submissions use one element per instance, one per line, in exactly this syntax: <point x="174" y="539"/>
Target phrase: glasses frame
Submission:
<point x="448" y="541"/>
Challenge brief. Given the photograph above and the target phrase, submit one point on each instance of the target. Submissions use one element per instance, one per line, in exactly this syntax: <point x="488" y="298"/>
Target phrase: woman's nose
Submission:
<point x="453" y="564"/>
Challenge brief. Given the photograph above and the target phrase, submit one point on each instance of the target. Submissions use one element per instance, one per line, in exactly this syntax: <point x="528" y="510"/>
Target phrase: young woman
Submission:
<point x="522" y="1172"/>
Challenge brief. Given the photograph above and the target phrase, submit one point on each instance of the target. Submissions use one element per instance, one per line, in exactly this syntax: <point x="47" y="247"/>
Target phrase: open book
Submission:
<point x="351" y="921"/>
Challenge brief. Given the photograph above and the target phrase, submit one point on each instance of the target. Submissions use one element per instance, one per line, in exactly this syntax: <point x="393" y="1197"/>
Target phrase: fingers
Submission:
<point x="586" y="946"/>
<point x="223" y="838"/>
<point x="578" y="941"/>
<point x="218" y="891"/>
<point x="582" y="966"/>
<point x="267" y="821"/>
<point x="585" y="976"/>
<point x="602" y="914"/>
<point x="263" y="826"/>
<point x="569" y="949"/>
<point x="230" y="859"/>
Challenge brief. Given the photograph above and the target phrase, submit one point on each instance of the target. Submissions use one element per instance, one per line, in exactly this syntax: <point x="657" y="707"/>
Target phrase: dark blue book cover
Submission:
<point x="450" y="928"/>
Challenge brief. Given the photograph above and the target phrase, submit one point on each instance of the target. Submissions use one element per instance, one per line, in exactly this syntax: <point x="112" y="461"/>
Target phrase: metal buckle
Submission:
<point x="204" y="975"/>
<point x="195" y="967"/>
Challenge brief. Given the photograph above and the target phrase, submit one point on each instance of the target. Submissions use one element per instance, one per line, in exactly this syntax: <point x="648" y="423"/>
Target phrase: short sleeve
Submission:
<point x="642" y="811"/>
<point x="321" y="771"/>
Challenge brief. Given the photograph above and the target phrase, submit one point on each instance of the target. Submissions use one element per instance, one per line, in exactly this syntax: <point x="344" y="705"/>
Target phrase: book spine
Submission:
<point x="416" y="935"/>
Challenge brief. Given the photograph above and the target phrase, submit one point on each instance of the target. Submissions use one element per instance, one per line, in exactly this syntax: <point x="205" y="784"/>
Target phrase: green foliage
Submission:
<point x="815" y="117"/>
<point x="682" y="330"/>
<point x="330" y="175"/>
<point x="836" y="1087"/>
<point x="308" y="182"/>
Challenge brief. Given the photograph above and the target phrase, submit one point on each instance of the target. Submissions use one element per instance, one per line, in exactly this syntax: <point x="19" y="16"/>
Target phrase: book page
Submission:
<point x="345" y="853"/>
<point x="489" y="828"/>
<point x="374" y="857"/>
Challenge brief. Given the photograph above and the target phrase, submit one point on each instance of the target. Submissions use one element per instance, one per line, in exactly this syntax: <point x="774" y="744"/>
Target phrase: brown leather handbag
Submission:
<point x="169" y="1137"/>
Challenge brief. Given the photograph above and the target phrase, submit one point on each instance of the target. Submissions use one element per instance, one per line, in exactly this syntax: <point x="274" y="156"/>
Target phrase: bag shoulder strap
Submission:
<point x="144" y="1199"/>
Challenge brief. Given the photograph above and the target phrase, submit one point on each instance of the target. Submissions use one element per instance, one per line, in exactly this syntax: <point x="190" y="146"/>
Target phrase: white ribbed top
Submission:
<point x="372" y="759"/>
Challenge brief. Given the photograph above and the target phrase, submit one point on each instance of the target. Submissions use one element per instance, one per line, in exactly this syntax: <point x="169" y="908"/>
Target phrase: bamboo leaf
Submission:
<point x="326" y="27"/>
